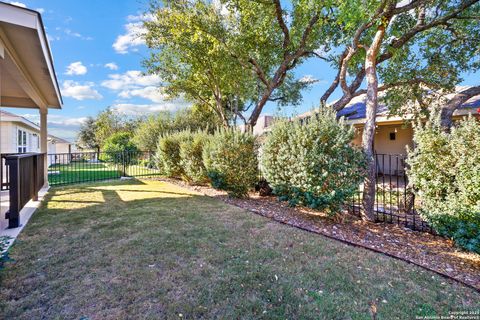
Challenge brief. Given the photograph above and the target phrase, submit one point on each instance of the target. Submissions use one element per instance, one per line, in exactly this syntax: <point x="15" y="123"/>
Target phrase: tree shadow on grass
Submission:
<point x="175" y="252"/>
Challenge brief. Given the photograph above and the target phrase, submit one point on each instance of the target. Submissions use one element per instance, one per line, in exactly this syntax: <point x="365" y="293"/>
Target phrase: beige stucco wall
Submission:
<point x="382" y="142"/>
<point x="387" y="164"/>
<point x="61" y="147"/>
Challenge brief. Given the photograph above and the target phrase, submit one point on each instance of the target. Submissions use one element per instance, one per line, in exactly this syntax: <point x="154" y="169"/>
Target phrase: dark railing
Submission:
<point x="25" y="179"/>
<point x="394" y="199"/>
<point x="70" y="168"/>
<point x="4" y="173"/>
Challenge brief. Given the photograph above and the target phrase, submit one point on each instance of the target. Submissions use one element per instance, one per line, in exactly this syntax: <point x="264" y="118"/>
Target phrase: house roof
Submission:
<point x="10" y="117"/>
<point x="6" y="116"/>
<point x="28" y="74"/>
<point x="356" y="109"/>
<point x="57" y="139"/>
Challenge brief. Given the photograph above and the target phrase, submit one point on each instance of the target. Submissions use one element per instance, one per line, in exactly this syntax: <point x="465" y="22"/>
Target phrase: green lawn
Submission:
<point x="86" y="171"/>
<point x="151" y="250"/>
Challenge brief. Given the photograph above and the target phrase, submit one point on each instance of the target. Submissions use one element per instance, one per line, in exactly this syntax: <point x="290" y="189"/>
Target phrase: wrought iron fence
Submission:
<point x="394" y="200"/>
<point x="69" y="168"/>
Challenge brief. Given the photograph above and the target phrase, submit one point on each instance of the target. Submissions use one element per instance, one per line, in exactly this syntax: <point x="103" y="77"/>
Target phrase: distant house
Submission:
<point x="262" y="125"/>
<point x="393" y="134"/>
<point x="20" y="135"/>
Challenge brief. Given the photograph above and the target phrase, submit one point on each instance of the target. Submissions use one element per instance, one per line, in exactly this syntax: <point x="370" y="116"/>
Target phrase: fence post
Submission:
<point x="124" y="164"/>
<point x="35" y="177"/>
<point x="13" y="213"/>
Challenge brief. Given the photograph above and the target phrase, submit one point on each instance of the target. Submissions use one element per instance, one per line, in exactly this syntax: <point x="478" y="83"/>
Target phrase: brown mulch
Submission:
<point x="432" y="252"/>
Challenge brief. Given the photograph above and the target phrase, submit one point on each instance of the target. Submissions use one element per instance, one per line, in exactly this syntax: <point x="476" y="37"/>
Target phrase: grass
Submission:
<point x="150" y="250"/>
<point x="76" y="172"/>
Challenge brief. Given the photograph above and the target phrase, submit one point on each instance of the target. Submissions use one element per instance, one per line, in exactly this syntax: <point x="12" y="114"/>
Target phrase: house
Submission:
<point x="28" y="80"/>
<point x="393" y="134"/>
<point x="20" y="135"/>
<point x="262" y="125"/>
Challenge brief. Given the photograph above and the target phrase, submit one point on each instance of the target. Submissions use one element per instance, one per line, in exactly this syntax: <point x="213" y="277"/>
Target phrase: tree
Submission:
<point x="86" y="135"/>
<point x="95" y="131"/>
<point x="412" y="48"/>
<point x="119" y="146"/>
<point x="233" y="55"/>
<point x="149" y="130"/>
<point x="454" y="103"/>
<point x="107" y="123"/>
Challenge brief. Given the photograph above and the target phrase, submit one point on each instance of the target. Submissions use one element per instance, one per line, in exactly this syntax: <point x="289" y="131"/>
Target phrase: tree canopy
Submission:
<point x="427" y="47"/>
<point x="235" y="55"/>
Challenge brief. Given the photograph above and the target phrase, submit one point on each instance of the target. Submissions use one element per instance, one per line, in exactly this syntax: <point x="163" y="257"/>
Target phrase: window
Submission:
<point x="21" y="141"/>
<point x="393" y="136"/>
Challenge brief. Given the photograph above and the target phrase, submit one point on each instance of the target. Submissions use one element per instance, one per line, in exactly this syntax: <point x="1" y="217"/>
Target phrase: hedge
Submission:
<point x="313" y="163"/>
<point x="230" y="159"/>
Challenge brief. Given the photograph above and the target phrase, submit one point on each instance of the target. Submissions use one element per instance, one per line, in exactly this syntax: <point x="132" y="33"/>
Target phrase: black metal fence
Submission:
<point x="394" y="199"/>
<point x="69" y="168"/>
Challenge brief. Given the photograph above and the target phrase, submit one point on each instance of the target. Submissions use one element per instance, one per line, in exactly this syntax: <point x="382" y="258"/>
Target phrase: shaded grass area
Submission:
<point x="149" y="250"/>
<point x="82" y="171"/>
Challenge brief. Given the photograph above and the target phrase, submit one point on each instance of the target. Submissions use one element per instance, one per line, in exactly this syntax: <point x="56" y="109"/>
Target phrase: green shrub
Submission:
<point x="445" y="171"/>
<point x="119" y="146"/>
<point x="230" y="159"/>
<point x="168" y="153"/>
<point x="313" y="164"/>
<point x="191" y="158"/>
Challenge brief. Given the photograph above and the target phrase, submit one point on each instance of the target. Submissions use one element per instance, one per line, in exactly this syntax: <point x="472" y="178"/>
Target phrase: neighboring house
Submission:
<point x="17" y="134"/>
<point x="59" y="150"/>
<point x="20" y="135"/>
<point x="393" y="133"/>
<point x="262" y="125"/>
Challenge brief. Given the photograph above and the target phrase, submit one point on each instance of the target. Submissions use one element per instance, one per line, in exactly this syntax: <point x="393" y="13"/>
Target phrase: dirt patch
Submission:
<point x="432" y="252"/>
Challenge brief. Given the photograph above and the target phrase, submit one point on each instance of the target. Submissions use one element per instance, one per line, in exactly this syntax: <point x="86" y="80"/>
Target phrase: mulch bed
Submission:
<point x="432" y="252"/>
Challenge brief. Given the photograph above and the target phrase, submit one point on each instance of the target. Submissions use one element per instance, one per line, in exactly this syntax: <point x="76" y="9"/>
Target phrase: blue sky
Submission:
<point x="98" y="56"/>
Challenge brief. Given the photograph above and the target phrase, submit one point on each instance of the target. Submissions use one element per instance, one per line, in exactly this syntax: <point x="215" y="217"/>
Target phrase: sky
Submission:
<point x="98" y="60"/>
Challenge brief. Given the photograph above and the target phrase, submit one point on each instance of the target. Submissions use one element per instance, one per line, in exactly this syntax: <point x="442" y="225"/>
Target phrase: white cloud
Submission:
<point x="132" y="79"/>
<point x="308" y="79"/>
<point x="59" y="125"/>
<point x="151" y="93"/>
<point x="111" y="66"/>
<point x="134" y="35"/>
<point x="74" y="34"/>
<point x="133" y="84"/>
<point x="79" y="91"/>
<point x="76" y="68"/>
<point x="40" y="10"/>
<point x="18" y="4"/>
<point x="52" y="38"/>
<point x="142" y="109"/>
<point x="56" y="119"/>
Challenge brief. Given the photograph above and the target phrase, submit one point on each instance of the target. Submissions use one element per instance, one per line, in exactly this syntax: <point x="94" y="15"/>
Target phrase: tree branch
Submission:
<point x="398" y="43"/>
<point x="454" y="103"/>
<point x="281" y="22"/>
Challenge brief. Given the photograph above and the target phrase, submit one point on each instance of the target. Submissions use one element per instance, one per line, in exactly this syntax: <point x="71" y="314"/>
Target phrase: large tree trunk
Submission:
<point x="369" y="129"/>
<point x="454" y="103"/>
